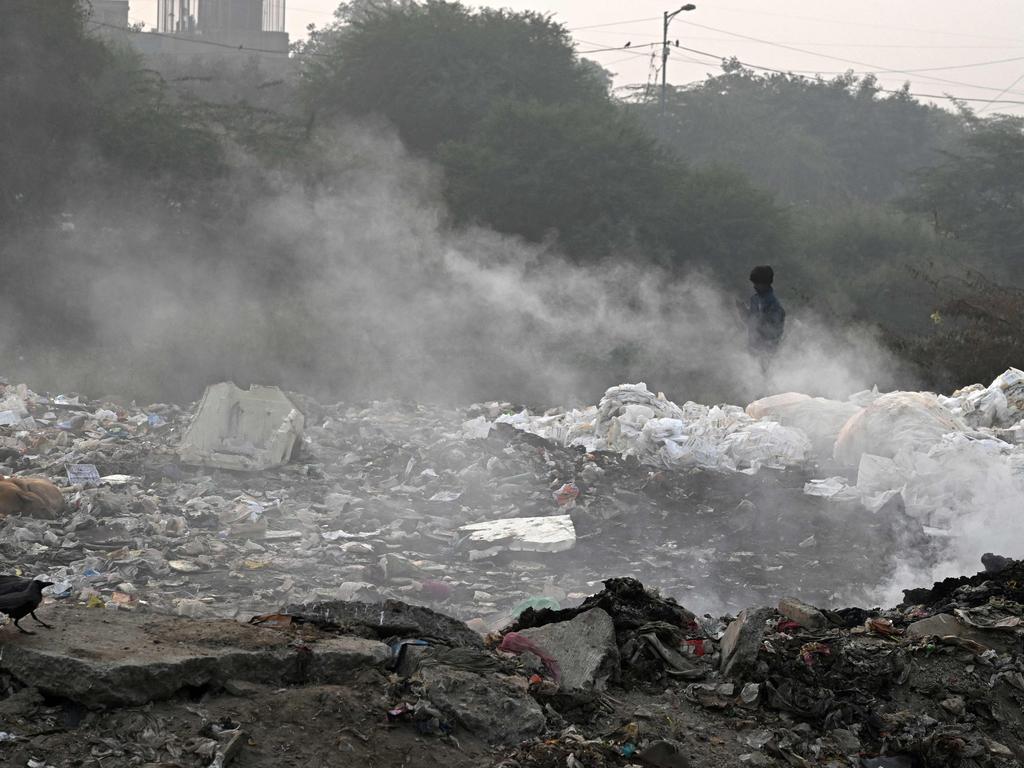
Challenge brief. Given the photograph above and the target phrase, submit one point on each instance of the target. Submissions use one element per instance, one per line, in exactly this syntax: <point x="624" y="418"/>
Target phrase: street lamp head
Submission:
<point x="687" y="7"/>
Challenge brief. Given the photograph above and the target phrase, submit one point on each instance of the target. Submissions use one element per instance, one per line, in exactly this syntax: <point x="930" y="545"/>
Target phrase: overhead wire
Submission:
<point x="913" y="71"/>
<point x="873" y="67"/>
<point x="614" y="23"/>
<point x="817" y="44"/>
<point x="847" y="23"/>
<point x="1001" y="94"/>
<point x="1018" y="42"/>
<point x="997" y="100"/>
<point x="776" y="70"/>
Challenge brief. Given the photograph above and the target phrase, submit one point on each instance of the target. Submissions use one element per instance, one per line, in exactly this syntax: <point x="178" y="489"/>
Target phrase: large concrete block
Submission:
<point x="584" y="648"/>
<point x="742" y="641"/>
<point x="235" y="429"/>
<point x="119" y="658"/>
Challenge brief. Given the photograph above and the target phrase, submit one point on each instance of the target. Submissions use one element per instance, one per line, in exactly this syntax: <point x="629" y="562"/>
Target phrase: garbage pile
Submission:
<point x="932" y="684"/>
<point x="626" y="678"/>
<point x="944" y="457"/>
<point x="635" y="422"/>
<point x="392" y="501"/>
<point x="385" y="576"/>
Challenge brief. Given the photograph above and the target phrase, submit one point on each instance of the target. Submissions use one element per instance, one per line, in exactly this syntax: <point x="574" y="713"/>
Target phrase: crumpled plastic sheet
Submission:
<point x="1000" y="404"/>
<point x="636" y="422"/>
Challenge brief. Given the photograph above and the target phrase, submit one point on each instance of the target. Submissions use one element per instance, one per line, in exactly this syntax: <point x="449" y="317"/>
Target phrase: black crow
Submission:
<point x="24" y="602"/>
<point x="13" y="584"/>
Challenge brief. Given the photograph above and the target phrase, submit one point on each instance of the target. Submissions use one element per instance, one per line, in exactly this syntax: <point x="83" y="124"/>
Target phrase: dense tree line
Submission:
<point x="870" y="203"/>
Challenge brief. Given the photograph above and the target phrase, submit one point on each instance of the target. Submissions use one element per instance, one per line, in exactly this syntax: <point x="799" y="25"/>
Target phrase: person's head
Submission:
<point x="762" y="278"/>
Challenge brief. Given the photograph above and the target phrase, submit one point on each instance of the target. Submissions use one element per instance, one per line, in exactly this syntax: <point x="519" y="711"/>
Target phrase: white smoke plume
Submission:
<point x="358" y="288"/>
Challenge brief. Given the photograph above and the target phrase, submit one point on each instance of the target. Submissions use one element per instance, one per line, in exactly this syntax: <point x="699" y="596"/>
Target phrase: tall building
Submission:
<point x="254" y="24"/>
<point x="202" y="29"/>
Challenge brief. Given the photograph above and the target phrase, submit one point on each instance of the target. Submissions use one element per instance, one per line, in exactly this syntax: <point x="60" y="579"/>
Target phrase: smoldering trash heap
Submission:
<point x="581" y="570"/>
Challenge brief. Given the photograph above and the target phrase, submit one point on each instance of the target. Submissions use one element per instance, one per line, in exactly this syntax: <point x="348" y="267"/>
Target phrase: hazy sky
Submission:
<point x="942" y="47"/>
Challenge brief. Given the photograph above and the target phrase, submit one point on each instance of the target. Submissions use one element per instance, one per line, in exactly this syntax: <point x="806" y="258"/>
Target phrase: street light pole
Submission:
<point x="664" y="54"/>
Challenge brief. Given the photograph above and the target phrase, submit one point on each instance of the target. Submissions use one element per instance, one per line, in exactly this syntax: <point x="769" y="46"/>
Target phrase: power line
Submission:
<point x="914" y="71"/>
<point x="614" y="23"/>
<point x="964" y="66"/>
<point x="895" y="45"/>
<point x="1018" y="43"/>
<point x="848" y="23"/>
<point x="1002" y="93"/>
<point x="618" y="47"/>
<point x="749" y="65"/>
<point x="818" y="44"/>
<point x="874" y="67"/>
<point x="997" y="100"/>
<point x="631" y="57"/>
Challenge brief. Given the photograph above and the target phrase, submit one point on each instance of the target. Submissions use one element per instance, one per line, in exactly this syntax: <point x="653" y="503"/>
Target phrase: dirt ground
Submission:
<point x="314" y="725"/>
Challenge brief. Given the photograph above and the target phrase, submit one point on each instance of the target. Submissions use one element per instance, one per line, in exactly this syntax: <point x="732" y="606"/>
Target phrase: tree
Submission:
<point x="810" y="140"/>
<point x="77" y="110"/>
<point x="976" y="194"/>
<point x="435" y="70"/>
<point x="589" y="175"/>
<point x="47" y="69"/>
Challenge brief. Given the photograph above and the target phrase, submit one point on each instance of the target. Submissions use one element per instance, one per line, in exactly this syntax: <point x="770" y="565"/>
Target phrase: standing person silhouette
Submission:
<point x="764" y="317"/>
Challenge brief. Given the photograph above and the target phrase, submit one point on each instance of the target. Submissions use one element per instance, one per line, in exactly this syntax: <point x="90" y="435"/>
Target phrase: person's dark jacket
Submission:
<point x="766" y="321"/>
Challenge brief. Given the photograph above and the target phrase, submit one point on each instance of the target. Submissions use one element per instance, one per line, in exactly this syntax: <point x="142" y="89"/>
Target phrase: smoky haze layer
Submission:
<point x="356" y="288"/>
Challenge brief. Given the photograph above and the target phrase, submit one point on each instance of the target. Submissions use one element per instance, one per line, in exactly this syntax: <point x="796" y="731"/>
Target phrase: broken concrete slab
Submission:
<point x="492" y="707"/>
<point x="585" y="649"/>
<point x="242" y="430"/>
<point x="947" y="625"/>
<point x="523" y="534"/>
<point x="386" y="620"/>
<point x="742" y="641"/>
<point x="803" y="614"/>
<point x="132" y="659"/>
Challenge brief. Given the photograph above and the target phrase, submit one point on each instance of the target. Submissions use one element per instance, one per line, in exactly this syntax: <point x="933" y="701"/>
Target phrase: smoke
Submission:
<point x="357" y="288"/>
<point x="970" y="493"/>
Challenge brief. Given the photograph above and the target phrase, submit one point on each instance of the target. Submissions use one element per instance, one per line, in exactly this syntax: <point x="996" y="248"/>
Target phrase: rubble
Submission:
<point x="742" y="642"/>
<point x="584" y="648"/>
<point x="385" y="621"/>
<point x="806" y="616"/>
<point x="490" y="706"/>
<point x="132" y="659"/>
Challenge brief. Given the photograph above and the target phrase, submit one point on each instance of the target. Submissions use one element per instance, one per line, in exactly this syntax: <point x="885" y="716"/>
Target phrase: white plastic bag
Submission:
<point x="894" y="422"/>
<point x="820" y="419"/>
